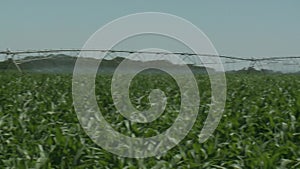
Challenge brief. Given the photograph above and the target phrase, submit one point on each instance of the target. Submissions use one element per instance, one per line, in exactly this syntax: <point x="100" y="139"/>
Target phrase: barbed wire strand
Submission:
<point x="8" y="52"/>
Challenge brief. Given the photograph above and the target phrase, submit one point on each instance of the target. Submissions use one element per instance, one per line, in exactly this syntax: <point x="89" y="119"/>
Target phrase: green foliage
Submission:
<point x="260" y="127"/>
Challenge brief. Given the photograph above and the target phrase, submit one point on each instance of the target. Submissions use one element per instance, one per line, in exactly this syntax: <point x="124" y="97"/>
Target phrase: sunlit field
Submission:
<point x="260" y="127"/>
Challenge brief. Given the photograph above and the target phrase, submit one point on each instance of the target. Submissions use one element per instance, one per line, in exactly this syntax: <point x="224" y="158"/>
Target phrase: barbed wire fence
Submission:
<point x="231" y="63"/>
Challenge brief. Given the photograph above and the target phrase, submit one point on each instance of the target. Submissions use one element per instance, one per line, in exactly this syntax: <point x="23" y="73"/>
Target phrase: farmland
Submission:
<point x="260" y="127"/>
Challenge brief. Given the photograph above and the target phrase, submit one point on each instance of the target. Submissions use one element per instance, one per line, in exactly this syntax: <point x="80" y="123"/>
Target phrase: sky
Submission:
<point x="240" y="28"/>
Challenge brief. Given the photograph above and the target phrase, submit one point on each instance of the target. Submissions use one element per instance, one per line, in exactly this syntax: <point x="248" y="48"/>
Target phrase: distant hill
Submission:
<point x="65" y="64"/>
<point x="252" y="70"/>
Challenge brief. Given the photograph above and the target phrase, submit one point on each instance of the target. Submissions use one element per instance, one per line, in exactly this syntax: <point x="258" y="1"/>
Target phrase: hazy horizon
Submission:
<point x="244" y="29"/>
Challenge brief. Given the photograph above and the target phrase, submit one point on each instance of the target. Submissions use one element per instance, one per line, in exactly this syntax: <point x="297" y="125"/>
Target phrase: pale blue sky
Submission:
<point x="241" y="28"/>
